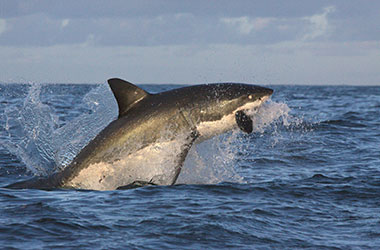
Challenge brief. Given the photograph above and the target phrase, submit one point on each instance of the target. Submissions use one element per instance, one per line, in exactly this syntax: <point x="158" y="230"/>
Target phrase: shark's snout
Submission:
<point x="269" y="91"/>
<point x="265" y="92"/>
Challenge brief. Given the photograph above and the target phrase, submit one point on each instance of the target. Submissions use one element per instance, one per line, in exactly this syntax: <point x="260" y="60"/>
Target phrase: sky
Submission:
<point x="188" y="42"/>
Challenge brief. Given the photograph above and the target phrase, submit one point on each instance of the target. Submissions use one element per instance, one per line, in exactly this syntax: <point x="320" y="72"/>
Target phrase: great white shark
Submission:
<point x="153" y="125"/>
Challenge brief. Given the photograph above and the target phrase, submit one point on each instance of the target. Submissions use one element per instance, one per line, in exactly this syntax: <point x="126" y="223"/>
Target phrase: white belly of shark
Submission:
<point x="155" y="163"/>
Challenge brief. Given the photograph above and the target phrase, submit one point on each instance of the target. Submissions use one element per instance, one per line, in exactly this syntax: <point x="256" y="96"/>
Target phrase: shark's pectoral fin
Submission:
<point x="244" y="122"/>
<point x="182" y="156"/>
<point x="164" y="172"/>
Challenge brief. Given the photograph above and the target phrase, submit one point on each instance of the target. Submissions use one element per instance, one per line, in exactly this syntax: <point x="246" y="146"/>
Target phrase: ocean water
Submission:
<point x="307" y="177"/>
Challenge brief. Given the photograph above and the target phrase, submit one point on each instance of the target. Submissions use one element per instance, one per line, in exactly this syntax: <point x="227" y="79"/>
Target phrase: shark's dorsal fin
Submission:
<point x="126" y="94"/>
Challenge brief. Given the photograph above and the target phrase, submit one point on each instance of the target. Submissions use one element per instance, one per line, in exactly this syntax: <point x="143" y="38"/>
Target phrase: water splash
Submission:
<point x="267" y="114"/>
<point x="36" y="138"/>
<point x="212" y="161"/>
<point x="29" y="129"/>
<point x="76" y="134"/>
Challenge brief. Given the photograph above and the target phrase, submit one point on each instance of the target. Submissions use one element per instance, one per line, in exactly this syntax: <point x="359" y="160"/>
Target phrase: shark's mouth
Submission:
<point x="244" y="122"/>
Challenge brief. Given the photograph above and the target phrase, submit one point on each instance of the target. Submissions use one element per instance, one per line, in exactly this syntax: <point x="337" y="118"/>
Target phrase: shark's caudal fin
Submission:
<point x="126" y="94"/>
<point x="44" y="183"/>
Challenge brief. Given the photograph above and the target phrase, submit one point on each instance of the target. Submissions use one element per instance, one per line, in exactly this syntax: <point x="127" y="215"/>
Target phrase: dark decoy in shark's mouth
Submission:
<point x="151" y="126"/>
<point x="244" y="122"/>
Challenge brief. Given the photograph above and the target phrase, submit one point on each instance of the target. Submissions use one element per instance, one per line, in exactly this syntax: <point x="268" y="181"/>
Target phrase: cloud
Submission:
<point x="3" y="26"/>
<point x="175" y="26"/>
<point x="90" y="41"/>
<point x="319" y="24"/>
<point x="65" y="22"/>
<point x="246" y="25"/>
<point x="196" y="41"/>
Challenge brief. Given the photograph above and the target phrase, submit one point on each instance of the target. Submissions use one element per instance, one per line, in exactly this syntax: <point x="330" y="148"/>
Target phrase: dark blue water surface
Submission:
<point x="309" y="179"/>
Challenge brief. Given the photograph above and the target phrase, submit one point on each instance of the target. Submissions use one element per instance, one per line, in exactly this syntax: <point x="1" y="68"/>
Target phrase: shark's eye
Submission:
<point x="250" y="97"/>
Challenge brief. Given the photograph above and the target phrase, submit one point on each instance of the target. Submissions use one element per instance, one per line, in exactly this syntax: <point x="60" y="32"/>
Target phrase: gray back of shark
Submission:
<point x="149" y="141"/>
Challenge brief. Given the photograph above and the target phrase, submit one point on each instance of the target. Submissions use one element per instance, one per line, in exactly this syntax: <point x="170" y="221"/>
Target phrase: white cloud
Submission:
<point x="245" y="25"/>
<point x="183" y="15"/>
<point x="319" y="24"/>
<point x="65" y="22"/>
<point x="3" y="26"/>
<point x="262" y="45"/>
<point x="90" y="41"/>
